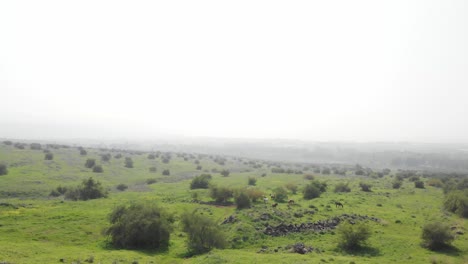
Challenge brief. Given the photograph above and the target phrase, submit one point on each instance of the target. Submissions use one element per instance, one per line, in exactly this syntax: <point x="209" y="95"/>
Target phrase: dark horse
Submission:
<point x="274" y="205"/>
<point x="338" y="204"/>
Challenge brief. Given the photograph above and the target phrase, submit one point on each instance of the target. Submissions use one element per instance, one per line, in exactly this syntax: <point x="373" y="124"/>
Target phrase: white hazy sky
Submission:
<point x="313" y="70"/>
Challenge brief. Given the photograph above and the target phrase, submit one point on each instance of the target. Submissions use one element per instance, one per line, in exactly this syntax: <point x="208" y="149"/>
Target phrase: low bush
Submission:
<point x="436" y="236"/>
<point x="200" y="182"/>
<point x="397" y="184"/>
<point x="419" y="184"/>
<point x="252" y="181"/>
<point x="342" y="187"/>
<point x="98" y="169"/>
<point x="49" y="156"/>
<point x="242" y="200"/>
<point x="140" y="226"/>
<point x="128" y="162"/>
<point x="3" y="169"/>
<point x="89" y="189"/>
<point x="221" y="194"/>
<point x="365" y="187"/>
<point x="90" y="163"/>
<point x="457" y="202"/>
<point x="281" y="194"/>
<point x="166" y="172"/>
<point x="122" y="187"/>
<point x="352" y="237"/>
<point x="203" y="233"/>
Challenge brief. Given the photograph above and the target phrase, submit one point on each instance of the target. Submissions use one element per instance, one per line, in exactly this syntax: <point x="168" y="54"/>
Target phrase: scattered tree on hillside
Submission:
<point x="252" y="181"/>
<point x="166" y="172"/>
<point x="314" y="189"/>
<point x="365" y="187"/>
<point x="291" y="187"/>
<point x="122" y="187"/>
<point x="7" y="142"/>
<point x="49" y="156"/>
<point x="200" y="182"/>
<point x="35" y="146"/>
<point x="152" y="169"/>
<point x="203" y="233"/>
<point x="89" y="189"/>
<point x="352" y="237"/>
<point x="221" y="194"/>
<point x="90" y="163"/>
<point x="140" y="226"/>
<point x="397" y="184"/>
<point x="83" y="152"/>
<point x="281" y="195"/>
<point x="436" y="235"/>
<point x="3" y="169"/>
<point x="342" y="187"/>
<point x="98" y="169"/>
<point x="242" y="200"/>
<point x="225" y="172"/>
<point x="106" y="157"/>
<point x="419" y="184"/>
<point x="457" y="202"/>
<point x="128" y="162"/>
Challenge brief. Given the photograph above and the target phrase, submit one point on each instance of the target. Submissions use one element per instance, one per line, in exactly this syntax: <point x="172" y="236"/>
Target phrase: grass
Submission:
<point x="45" y="230"/>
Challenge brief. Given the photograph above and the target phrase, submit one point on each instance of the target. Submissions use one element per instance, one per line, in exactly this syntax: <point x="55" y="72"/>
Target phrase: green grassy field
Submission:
<point x="35" y="228"/>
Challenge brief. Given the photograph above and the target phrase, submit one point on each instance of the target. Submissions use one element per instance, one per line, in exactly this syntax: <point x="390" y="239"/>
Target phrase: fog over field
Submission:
<point x="350" y="71"/>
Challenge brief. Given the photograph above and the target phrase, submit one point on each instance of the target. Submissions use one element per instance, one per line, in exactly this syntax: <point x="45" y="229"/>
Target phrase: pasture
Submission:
<point x="38" y="228"/>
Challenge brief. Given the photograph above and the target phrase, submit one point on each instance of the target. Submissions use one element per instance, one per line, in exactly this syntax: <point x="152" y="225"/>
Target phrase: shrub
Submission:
<point x="128" y="162"/>
<point x="325" y="171"/>
<point x="89" y="189"/>
<point x="200" y="182"/>
<point x="90" y="163"/>
<point x="220" y="194"/>
<point x="419" y="184"/>
<point x="281" y="195"/>
<point x="166" y="160"/>
<point x="122" y="187"/>
<point x="98" y="169"/>
<point x="225" y="173"/>
<point x="35" y="146"/>
<point x="83" y="152"/>
<point x="49" y="156"/>
<point x="309" y="177"/>
<point x="166" y="172"/>
<point x="457" y="202"/>
<point x="435" y="183"/>
<point x="436" y="235"/>
<point x="151" y="156"/>
<point x="342" y="187"/>
<point x="242" y="200"/>
<point x="19" y="145"/>
<point x="365" y="187"/>
<point x="7" y="142"/>
<point x="117" y="156"/>
<point x="151" y="181"/>
<point x="140" y="226"/>
<point x="3" y="169"/>
<point x="351" y="236"/>
<point x="311" y="191"/>
<point x="252" y="181"/>
<point x="106" y="157"/>
<point x="397" y="184"/>
<point x="199" y="167"/>
<point x="292" y="187"/>
<point x="254" y="194"/>
<point x="152" y="169"/>
<point x="203" y="233"/>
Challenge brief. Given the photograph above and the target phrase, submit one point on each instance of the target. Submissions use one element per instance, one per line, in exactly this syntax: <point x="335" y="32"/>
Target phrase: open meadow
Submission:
<point x="37" y="226"/>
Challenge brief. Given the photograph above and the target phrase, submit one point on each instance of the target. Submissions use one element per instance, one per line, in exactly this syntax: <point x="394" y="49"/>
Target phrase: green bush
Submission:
<point x="200" y="182"/>
<point x="98" y="169"/>
<point x="3" y="169"/>
<point x="151" y="156"/>
<point x="151" y="181"/>
<point x="397" y="184"/>
<point x="199" y="167"/>
<point x="106" y="157"/>
<point x="352" y="237"/>
<point x="254" y="194"/>
<point x="309" y="177"/>
<point x="225" y="173"/>
<point x="419" y="184"/>
<point x="128" y="162"/>
<point x="83" y="152"/>
<point x="292" y="187"/>
<point x="89" y="189"/>
<point x="457" y="202"/>
<point x="122" y="187"/>
<point x="203" y="233"/>
<point x="90" y="163"/>
<point x="365" y="187"/>
<point x="49" y="156"/>
<point x="314" y="189"/>
<point x="242" y="200"/>
<point x="152" y="169"/>
<point x="140" y="226"/>
<point x="35" y="146"/>
<point x="281" y="195"/>
<point x="342" y="187"/>
<point x="166" y="172"/>
<point x="220" y="194"/>
<point x="436" y="235"/>
<point x="252" y="181"/>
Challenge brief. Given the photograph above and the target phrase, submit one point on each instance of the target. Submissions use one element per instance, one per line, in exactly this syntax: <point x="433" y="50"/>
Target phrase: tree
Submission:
<point x="7" y="142"/>
<point x="203" y="233"/>
<point x="35" y="146"/>
<point x="90" y="163"/>
<point x="151" y="156"/>
<point x="311" y="191"/>
<point x="457" y="202"/>
<point x="326" y="171"/>
<point x="199" y="167"/>
<point x="152" y="169"/>
<point x="200" y="182"/>
<point x="128" y="162"/>
<point x="140" y="226"/>
<point x="106" y="157"/>
<point x="397" y="184"/>
<point x="419" y="184"/>
<point x="291" y="187"/>
<point x="166" y="172"/>
<point x="98" y="169"/>
<point x="342" y="187"/>
<point x="49" y="156"/>
<point x="220" y="194"/>
<point x="254" y="194"/>
<point x="242" y="200"/>
<point x="436" y="235"/>
<point x="83" y="152"/>
<point x="281" y="195"/>
<point x="89" y="189"/>
<point x="122" y="187"/>
<point x="352" y="237"/>
<point x="252" y="181"/>
<point x="365" y="187"/>
<point x="225" y="172"/>
<point x="3" y="169"/>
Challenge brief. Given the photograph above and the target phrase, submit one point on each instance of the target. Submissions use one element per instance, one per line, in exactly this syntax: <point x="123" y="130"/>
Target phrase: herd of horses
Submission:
<point x="290" y="202"/>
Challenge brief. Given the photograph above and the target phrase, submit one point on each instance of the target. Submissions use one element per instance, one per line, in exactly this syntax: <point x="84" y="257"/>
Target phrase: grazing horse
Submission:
<point x="265" y="200"/>
<point x="290" y="201"/>
<point x="338" y="204"/>
<point x="274" y="205"/>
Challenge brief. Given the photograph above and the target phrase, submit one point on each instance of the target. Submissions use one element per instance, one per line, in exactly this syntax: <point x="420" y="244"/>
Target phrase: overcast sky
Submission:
<point x="312" y="70"/>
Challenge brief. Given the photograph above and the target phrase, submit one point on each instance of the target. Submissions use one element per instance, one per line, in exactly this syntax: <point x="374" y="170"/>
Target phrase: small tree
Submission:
<point x="252" y="181"/>
<point x="122" y="187"/>
<point x="365" y="187"/>
<point x="90" y="163"/>
<point x="166" y="172"/>
<point x="203" y="233"/>
<point x="220" y="194"/>
<point x="98" y="169"/>
<point x="291" y="187"/>
<point x="3" y="169"/>
<point x="342" y="187"/>
<point x="225" y="172"/>
<point x="309" y="177"/>
<point x="199" y="167"/>
<point x="140" y="226"/>
<point x="200" y="182"/>
<point x="128" y="162"/>
<point x="242" y="200"/>
<point x="419" y="184"/>
<point x="311" y="191"/>
<point x="397" y="184"/>
<point x="281" y="195"/>
<point x="352" y="237"/>
<point x="89" y="189"/>
<point x="49" y="156"/>
<point x="326" y="171"/>
<point x="152" y="169"/>
<point x="457" y="202"/>
<point x="106" y="157"/>
<point x="436" y="235"/>
<point x="35" y="146"/>
<point x="83" y="152"/>
<point x="254" y="194"/>
<point x="7" y="142"/>
<point x="151" y="156"/>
